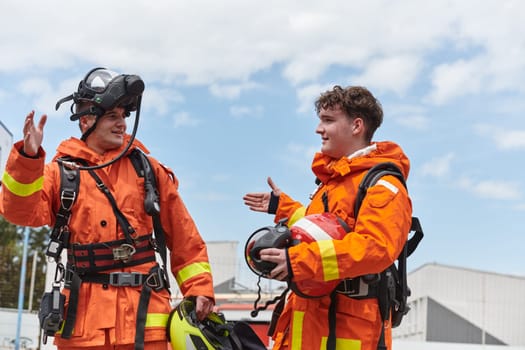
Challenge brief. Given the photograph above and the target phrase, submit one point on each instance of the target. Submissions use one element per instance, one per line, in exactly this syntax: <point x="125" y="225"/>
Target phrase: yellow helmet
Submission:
<point x="186" y="332"/>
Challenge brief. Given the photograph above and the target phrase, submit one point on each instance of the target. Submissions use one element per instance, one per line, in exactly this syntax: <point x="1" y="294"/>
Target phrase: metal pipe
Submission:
<point x="21" y="289"/>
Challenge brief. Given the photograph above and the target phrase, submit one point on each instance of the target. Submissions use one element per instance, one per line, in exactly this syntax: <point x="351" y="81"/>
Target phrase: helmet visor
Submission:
<point x="99" y="79"/>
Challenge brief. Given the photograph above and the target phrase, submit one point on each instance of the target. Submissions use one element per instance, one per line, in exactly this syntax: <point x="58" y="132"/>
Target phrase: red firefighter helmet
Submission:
<point x="312" y="228"/>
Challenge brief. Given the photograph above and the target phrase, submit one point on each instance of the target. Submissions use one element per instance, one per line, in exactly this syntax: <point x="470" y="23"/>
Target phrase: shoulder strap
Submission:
<point x="69" y="185"/>
<point x="372" y="176"/>
<point x="143" y="168"/>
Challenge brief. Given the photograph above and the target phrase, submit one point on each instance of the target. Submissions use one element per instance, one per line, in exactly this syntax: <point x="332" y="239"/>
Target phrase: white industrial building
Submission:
<point x="460" y="305"/>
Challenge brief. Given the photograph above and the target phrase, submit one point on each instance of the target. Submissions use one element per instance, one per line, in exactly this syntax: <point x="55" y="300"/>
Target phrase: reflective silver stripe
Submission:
<point x="313" y="230"/>
<point x="388" y="185"/>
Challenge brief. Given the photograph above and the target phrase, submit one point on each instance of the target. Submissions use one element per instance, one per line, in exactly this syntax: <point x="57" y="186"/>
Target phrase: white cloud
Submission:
<point x="240" y="112"/>
<point x="414" y="121"/>
<point x="438" y="167"/>
<point x="233" y="40"/>
<point x="183" y="119"/>
<point x="307" y="96"/>
<point x="410" y="116"/>
<point x="520" y="207"/>
<point x="231" y="91"/>
<point x="454" y="80"/>
<point x="491" y="189"/>
<point x="161" y="100"/>
<point x="504" y="139"/>
<point x="394" y="73"/>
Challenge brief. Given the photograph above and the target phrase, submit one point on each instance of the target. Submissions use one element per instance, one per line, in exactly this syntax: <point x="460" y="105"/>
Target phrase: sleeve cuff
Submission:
<point x="274" y="203"/>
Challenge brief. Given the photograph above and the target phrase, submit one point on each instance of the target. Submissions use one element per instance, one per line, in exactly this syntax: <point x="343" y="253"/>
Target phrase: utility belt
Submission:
<point x="362" y="287"/>
<point x="85" y="263"/>
<point x="88" y="258"/>
<point x="156" y="279"/>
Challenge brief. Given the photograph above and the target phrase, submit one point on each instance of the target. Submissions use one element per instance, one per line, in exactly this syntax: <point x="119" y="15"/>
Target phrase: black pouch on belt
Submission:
<point x="51" y="313"/>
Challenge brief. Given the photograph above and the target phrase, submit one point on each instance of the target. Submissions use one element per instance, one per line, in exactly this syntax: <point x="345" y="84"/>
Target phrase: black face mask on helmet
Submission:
<point x="105" y="90"/>
<point x="102" y="90"/>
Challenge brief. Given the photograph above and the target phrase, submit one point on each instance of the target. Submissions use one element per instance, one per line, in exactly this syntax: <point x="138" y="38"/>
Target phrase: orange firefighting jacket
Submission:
<point x="29" y="197"/>
<point x="374" y="243"/>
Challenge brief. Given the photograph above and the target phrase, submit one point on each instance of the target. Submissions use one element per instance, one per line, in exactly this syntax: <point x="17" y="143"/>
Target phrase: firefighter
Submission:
<point x="109" y="287"/>
<point x="348" y="119"/>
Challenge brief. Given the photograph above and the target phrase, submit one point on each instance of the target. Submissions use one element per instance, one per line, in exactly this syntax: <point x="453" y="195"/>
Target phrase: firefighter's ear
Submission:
<point x="357" y="125"/>
<point x="86" y="121"/>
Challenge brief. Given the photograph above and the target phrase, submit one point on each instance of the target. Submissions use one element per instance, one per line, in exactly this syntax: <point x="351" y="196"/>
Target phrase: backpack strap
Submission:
<point x="143" y="168"/>
<point x="69" y="185"/>
<point x="371" y="177"/>
<point x="59" y="238"/>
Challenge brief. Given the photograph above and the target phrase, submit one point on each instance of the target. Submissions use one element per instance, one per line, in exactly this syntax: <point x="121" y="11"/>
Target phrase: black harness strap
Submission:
<point x="142" y="312"/>
<point x="331" y="341"/>
<point x="151" y="202"/>
<point x="59" y="238"/>
<point x="152" y="206"/>
<point x="71" y="316"/>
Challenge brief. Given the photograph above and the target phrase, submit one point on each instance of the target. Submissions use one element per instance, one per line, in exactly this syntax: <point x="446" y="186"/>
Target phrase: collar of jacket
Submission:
<point x="76" y="148"/>
<point x="326" y="168"/>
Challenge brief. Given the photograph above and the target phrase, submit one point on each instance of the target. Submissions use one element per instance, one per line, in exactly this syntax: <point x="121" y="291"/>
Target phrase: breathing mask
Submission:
<point x="103" y="90"/>
<point x="100" y="91"/>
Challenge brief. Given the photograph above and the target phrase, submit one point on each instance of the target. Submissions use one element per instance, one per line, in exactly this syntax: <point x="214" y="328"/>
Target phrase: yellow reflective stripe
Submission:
<point x="297" y="330"/>
<point x="299" y="213"/>
<point x="347" y="344"/>
<point x="20" y="189"/>
<point x="329" y="260"/>
<point x="157" y="320"/>
<point x="191" y="271"/>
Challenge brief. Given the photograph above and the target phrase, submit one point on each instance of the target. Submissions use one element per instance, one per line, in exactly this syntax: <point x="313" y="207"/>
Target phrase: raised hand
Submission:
<point x="33" y="134"/>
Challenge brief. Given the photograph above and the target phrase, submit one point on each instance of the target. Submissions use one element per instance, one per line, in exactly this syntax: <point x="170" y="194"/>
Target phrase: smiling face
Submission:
<point x="109" y="131"/>
<point x="340" y="135"/>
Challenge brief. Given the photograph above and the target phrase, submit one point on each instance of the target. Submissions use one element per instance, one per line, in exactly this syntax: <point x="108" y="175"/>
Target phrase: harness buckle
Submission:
<point x="125" y="279"/>
<point x="67" y="199"/>
<point x="124" y="252"/>
<point x="353" y="287"/>
<point x="155" y="280"/>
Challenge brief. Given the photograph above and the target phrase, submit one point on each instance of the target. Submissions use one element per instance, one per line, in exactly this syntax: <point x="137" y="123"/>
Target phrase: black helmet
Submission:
<point x="105" y="90"/>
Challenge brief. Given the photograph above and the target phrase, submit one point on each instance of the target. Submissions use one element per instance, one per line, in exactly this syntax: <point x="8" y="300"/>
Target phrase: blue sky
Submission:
<point x="230" y="87"/>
